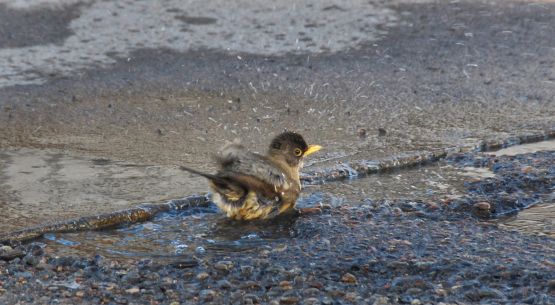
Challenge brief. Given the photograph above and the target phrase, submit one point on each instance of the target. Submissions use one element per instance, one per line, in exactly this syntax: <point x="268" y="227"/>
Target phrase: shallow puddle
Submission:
<point x="61" y="186"/>
<point x="38" y="186"/>
<point x="537" y="220"/>
<point x="204" y="231"/>
<point x="526" y="148"/>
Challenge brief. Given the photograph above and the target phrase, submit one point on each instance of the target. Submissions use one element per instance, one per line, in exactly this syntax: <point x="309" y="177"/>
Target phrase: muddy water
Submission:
<point x="37" y="186"/>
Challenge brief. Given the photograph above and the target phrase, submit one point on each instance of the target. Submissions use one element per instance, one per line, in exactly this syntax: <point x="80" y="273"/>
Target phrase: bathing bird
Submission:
<point x="250" y="186"/>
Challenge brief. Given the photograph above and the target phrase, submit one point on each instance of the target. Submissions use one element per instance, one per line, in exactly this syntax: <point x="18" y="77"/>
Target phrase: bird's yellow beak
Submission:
<point x="312" y="149"/>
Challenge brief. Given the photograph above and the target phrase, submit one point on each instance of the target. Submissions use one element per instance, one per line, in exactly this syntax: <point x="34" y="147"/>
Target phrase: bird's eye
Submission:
<point x="298" y="152"/>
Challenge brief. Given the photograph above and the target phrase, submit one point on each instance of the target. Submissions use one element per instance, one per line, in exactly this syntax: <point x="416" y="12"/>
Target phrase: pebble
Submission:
<point x="246" y="270"/>
<point x="224" y="284"/>
<point x="483" y="205"/>
<point x="288" y="300"/>
<point x="223" y="265"/>
<point x="362" y="133"/>
<point x="327" y="301"/>
<point x="133" y="290"/>
<point x="311" y="292"/>
<point x="381" y="300"/>
<point x="311" y="301"/>
<point x="285" y="285"/>
<point x="7" y="253"/>
<point x="351" y="296"/>
<point x="207" y="294"/>
<point x="132" y="277"/>
<point x="252" y="297"/>
<point x="349" y="278"/>
<point x="30" y="260"/>
<point x="202" y="276"/>
<point x="316" y="284"/>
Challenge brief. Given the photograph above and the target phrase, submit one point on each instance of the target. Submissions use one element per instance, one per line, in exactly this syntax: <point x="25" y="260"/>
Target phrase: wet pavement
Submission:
<point x="426" y="76"/>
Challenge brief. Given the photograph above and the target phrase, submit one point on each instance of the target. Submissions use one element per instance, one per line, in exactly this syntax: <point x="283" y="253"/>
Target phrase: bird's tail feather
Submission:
<point x="214" y="178"/>
<point x="230" y="190"/>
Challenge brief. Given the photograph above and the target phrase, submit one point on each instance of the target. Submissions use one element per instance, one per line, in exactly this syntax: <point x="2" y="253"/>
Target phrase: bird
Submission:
<point x="251" y="186"/>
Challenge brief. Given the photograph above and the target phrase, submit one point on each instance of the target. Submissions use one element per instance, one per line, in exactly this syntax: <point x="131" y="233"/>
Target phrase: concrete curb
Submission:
<point x="141" y="213"/>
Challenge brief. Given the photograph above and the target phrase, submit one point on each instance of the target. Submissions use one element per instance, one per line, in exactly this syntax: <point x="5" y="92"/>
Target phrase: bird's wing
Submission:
<point x="234" y="186"/>
<point x="235" y="158"/>
<point x="227" y="186"/>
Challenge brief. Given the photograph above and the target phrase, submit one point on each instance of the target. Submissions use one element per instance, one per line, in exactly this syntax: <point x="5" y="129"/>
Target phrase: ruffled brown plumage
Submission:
<point x="251" y="186"/>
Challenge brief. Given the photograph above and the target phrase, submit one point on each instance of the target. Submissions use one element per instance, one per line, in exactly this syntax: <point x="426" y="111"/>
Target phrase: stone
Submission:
<point x="288" y="300"/>
<point x="7" y="253"/>
<point x="351" y="296"/>
<point x="246" y="270"/>
<point x="133" y="290"/>
<point x="224" y="284"/>
<point x="223" y="265"/>
<point x="483" y="205"/>
<point x="311" y="301"/>
<point x="207" y="294"/>
<point x="285" y="285"/>
<point x="380" y="300"/>
<point x="202" y="276"/>
<point x="349" y="278"/>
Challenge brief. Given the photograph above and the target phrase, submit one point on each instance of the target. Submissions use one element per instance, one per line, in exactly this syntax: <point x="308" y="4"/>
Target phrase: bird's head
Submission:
<point x="291" y="147"/>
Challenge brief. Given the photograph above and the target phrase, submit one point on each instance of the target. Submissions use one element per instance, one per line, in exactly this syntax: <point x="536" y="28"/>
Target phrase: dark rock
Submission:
<point x="224" y="284"/>
<point x="288" y="300"/>
<point x="30" y="260"/>
<point x="207" y="294"/>
<point x="7" y="253"/>
<point x="477" y="295"/>
<point x="132" y="278"/>
<point x="246" y="270"/>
